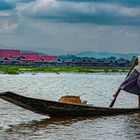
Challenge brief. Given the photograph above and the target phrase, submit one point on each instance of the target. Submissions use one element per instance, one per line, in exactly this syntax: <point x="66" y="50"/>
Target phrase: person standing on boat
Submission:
<point x="132" y="83"/>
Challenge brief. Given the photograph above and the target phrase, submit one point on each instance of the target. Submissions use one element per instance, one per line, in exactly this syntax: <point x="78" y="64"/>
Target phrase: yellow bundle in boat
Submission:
<point x="70" y="99"/>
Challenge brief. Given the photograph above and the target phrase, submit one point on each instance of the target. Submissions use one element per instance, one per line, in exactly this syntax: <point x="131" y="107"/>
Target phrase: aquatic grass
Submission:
<point x="22" y="69"/>
<point x="9" y="70"/>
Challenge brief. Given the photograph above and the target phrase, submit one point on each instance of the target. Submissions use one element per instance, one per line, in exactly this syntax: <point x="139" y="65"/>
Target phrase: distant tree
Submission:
<point x="122" y="59"/>
<point x="112" y="58"/>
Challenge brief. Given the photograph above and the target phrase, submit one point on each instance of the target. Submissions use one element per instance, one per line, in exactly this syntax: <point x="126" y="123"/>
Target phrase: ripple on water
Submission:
<point x="17" y="123"/>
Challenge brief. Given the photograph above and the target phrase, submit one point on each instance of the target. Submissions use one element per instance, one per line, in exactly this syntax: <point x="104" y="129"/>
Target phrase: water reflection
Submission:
<point x="45" y="128"/>
<point x="44" y="123"/>
<point x="124" y="127"/>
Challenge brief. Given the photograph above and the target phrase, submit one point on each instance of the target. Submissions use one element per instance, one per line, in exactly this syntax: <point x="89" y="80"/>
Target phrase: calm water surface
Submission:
<point x="19" y="124"/>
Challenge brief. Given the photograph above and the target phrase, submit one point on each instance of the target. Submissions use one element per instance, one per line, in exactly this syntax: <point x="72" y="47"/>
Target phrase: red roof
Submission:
<point x="9" y="53"/>
<point x="49" y="58"/>
<point x="31" y="57"/>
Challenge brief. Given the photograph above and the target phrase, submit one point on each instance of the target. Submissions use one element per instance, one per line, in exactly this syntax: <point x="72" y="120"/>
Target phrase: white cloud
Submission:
<point x="129" y="12"/>
<point x="25" y="14"/>
<point x="4" y="14"/>
<point x="35" y="25"/>
<point x="36" y="7"/>
<point x="54" y="9"/>
<point x="7" y="27"/>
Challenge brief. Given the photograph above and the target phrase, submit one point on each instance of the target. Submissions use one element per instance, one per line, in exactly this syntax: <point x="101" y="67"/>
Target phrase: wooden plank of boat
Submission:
<point x="57" y="109"/>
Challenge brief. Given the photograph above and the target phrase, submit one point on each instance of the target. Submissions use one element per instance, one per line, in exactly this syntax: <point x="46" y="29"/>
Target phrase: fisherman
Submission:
<point x="132" y="83"/>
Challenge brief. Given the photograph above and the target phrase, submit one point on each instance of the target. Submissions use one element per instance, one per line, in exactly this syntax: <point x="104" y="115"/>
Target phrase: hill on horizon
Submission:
<point x="106" y="55"/>
<point x="89" y="54"/>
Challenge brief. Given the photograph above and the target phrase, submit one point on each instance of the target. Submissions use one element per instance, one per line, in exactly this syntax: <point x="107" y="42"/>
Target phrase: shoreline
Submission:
<point x="19" y="69"/>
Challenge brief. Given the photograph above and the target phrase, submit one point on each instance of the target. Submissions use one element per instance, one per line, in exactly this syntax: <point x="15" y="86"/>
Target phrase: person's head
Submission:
<point x="137" y="60"/>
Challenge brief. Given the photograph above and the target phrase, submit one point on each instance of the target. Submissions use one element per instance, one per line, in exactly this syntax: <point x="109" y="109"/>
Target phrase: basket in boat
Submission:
<point x="70" y="99"/>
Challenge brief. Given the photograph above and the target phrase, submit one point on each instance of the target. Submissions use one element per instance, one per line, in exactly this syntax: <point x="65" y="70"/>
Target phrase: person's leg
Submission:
<point x="138" y="83"/>
<point x="138" y="100"/>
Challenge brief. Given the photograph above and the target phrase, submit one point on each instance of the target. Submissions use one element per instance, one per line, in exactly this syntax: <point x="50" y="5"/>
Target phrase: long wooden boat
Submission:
<point x="58" y="109"/>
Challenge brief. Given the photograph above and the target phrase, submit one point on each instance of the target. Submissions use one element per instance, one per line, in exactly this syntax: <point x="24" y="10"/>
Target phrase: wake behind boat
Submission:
<point x="61" y="109"/>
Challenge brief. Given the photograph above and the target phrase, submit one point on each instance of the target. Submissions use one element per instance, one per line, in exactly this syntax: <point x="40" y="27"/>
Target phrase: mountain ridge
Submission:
<point x="106" y="55"/>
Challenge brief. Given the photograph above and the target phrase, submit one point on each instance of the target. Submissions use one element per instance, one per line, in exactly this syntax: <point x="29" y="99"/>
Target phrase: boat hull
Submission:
<point x="57" y="109"/>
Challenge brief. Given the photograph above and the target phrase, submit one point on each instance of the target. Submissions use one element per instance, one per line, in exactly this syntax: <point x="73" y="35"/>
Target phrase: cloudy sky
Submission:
<point x="70" y="26"/>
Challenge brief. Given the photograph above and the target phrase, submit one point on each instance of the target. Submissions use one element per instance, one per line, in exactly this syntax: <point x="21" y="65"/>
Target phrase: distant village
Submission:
<point x="32" y="59"/>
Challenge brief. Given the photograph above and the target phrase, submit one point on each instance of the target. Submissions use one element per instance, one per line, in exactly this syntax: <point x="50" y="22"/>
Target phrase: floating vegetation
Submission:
<point x="34" y="70"/>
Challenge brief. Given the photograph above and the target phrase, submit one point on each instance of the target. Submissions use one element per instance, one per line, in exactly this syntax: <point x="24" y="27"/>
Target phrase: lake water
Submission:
<point x="19" y="124"/>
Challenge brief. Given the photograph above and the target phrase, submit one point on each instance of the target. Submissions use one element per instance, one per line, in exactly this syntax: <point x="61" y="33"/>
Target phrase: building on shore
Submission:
<point x="18" y="58"/>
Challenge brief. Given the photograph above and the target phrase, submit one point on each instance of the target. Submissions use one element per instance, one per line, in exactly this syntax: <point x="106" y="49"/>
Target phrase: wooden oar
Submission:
<point x="119" y="89"/>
